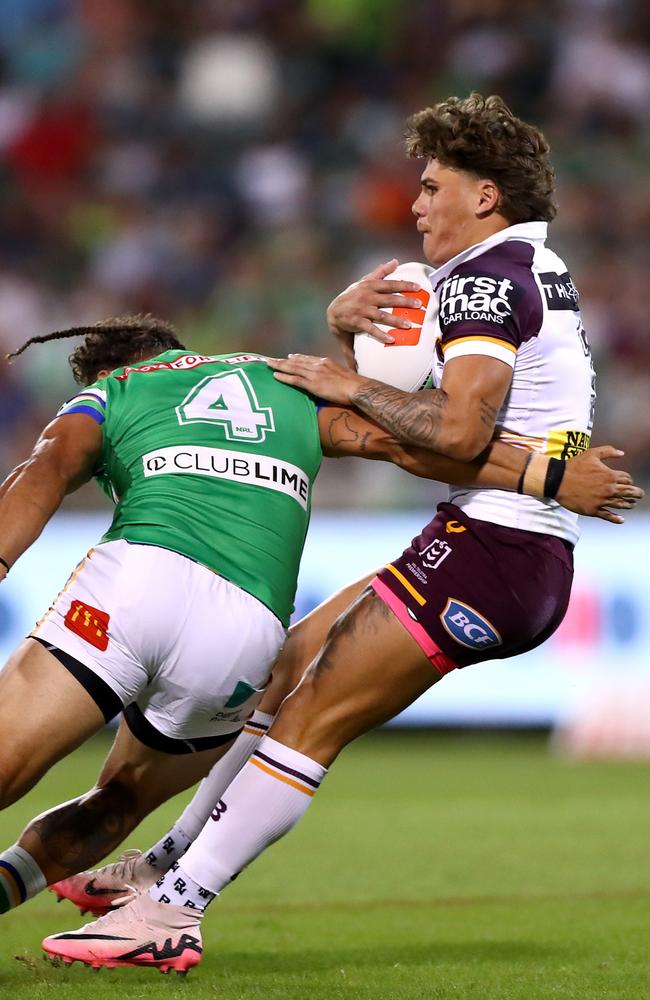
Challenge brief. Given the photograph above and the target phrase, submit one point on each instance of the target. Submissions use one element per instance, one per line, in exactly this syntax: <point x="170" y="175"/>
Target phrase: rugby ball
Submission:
<point x="407" y="363"/>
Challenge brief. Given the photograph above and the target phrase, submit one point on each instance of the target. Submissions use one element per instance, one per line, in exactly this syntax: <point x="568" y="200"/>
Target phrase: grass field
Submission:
<point x="430" y="866"/>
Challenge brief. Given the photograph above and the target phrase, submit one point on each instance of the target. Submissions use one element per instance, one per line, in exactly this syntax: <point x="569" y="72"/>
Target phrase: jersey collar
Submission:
<point x="531" y="232"/>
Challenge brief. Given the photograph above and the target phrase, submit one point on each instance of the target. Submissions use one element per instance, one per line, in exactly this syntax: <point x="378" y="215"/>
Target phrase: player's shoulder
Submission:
<point x="91" y="400"/>
<point x="560" y="293"/>
<point x="505" y="271"/>
<point x="510" y="253"/>
<point x="494" y="297"/>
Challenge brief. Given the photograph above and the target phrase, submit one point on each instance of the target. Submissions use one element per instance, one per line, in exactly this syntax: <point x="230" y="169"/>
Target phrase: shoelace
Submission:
<point x="137" y="896"/>
<point x="117" y="914"/>
<point x="125" y="860"/>
<point x="128" y="897"/>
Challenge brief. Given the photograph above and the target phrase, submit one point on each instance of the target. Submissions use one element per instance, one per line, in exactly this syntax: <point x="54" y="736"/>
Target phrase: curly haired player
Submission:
<point x="490" y="575"/>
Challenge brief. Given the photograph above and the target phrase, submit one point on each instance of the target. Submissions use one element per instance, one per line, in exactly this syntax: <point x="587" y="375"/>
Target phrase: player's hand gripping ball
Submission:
<point x="406" y="363"/>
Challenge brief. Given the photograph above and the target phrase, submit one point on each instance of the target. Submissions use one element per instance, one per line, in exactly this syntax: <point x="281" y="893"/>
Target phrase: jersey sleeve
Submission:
<point x="490" y="305"/>
<point x="91" y="401"/>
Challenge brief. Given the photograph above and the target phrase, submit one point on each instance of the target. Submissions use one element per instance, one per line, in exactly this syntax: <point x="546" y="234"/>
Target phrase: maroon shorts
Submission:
<point x="470" y="590"/>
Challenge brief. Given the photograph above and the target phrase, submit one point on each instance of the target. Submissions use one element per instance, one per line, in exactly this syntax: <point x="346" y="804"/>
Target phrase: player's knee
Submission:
<point x="124" y="792"/>
<point x="312" y="722"/>
<point x="143" y="781"/>
<point x="119" y="796"/>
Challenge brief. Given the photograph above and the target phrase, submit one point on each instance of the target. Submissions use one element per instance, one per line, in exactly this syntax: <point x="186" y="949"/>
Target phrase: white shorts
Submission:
<point x="184" y="651"/>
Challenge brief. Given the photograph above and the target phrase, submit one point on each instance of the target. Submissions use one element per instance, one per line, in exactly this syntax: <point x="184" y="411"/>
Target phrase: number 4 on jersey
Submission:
<point x="228" y="399"/>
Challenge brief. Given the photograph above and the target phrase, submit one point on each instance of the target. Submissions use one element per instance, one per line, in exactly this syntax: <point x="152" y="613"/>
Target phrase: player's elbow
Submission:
<point x="464" y="443"/>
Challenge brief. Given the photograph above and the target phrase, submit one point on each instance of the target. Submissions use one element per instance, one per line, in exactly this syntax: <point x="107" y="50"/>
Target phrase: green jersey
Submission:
<point x="213" y="458"/>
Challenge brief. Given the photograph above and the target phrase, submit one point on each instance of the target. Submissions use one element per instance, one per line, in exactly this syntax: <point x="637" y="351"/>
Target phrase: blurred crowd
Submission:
<point x="232" y="164"/>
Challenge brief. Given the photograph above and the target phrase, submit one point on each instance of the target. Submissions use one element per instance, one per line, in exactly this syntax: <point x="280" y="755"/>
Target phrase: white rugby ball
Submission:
<point x="407" y="363"/>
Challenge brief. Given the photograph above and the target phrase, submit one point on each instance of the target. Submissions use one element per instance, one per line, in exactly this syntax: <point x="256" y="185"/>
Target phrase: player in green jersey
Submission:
<point x="177" y="614"/>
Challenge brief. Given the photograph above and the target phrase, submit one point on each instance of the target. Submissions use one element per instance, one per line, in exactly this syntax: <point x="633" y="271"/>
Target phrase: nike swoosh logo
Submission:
<point x="78" y="936"/>
<point x="90" y="890"/>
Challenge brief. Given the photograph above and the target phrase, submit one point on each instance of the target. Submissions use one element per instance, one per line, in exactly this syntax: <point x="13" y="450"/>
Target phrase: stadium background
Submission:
<point x="232" y="164"/>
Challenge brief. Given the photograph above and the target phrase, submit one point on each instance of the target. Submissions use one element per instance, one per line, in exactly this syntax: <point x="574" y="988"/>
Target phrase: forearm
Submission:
<point x="583" y="484"/>
<point x="499" y="466"/>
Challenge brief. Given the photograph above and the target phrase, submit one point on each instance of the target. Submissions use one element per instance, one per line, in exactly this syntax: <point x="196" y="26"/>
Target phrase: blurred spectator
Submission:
<point x="231" y="164"/>
<point x="229" y="79"/>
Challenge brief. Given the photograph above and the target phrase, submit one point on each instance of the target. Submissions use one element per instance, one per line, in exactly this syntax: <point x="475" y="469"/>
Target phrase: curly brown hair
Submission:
<point x="112" y="343"/>
<point x="482" y="136"/>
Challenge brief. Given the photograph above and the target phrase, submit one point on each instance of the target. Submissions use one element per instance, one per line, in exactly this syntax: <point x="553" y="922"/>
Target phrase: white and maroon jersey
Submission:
<point x="512" y="298"/>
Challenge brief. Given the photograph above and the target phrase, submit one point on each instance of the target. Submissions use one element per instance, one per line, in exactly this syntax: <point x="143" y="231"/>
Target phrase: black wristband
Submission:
<point x="5" y="564"/>
<point x="554" y="475"/>
<point x="520" y="484"/>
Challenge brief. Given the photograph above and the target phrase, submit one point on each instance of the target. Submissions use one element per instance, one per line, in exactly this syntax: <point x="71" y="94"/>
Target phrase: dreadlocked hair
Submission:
<point x="482" y="136"/>
<point x="112" y="343"/>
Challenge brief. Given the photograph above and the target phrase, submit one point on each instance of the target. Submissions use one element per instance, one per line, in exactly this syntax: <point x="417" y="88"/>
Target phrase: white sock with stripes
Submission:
<point x="199" y="810"/>
<point x="266" y="799"/>
<point x="176" y="841"/>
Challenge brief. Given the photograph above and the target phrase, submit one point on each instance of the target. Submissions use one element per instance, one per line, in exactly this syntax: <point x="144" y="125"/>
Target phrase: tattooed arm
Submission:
<point x="588" y="486"/>
<point x="456" y="420"/>
<point x="345" y="432"/>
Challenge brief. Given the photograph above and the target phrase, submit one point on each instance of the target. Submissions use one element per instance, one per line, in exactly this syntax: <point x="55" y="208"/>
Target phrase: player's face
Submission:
<point x="446" y="212"/>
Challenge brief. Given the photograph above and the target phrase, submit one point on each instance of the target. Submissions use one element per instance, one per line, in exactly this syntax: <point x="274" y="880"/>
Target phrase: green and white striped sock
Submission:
<point x="20" y="878"/>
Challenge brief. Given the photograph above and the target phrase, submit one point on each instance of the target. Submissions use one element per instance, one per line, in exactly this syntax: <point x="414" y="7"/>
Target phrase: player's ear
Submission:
<point x="487" y="200"/>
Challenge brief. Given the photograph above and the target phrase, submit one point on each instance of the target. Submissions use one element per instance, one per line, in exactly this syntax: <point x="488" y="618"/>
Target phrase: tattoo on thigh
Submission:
<point x="364" y="616"/>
